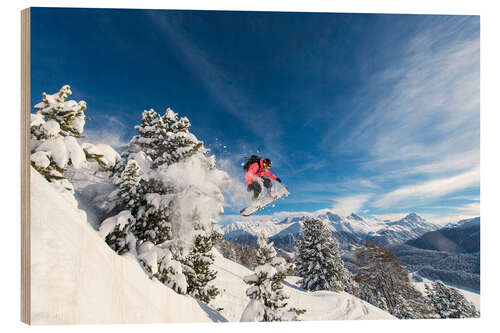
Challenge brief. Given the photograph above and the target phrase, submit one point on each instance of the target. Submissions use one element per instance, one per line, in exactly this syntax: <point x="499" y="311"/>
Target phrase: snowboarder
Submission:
<point x="255" y="169"/>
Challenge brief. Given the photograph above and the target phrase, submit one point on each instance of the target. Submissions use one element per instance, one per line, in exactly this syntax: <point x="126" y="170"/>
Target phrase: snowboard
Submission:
<point x="260" y="203"/>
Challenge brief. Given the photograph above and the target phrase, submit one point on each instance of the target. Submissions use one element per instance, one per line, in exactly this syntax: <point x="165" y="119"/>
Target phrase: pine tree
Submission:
<point x="151" y="137"/>
<point x="169" y="205"/>
<point x="385" y="284"/>
<point x="165" y="139"/>
<point x="404" y="309"/>
<point x="69" y="115"/>
<point x="129" y="181"/>
<point x="318" y="259"/>
<point x="266" y="286"/>
<point x="351" y="286"/>
<point x="447" y="302"/>
<point x="155" y="213"/>
<point x="117" y="239"/>
<point x="54" y="129"/>
<point x="116" y="232"/>
<point x="159" y="262"/>
<point x="197" y="268"/>
<point x="129" y="186"/>
<point x="180" y="143"/>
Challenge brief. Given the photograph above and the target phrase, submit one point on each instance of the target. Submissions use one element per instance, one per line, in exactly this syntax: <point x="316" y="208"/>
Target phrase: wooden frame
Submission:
<point x="25" y="170"/>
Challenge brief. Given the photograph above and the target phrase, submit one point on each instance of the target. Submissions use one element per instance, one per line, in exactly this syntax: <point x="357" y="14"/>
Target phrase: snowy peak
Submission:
<point x="355" y="217"/>
<point x="352" y="229"/>
<point x="252" y="228"/>
<point x="411" y="219"/>
<point x="292" y="219"/>
<point x="468" y="223"/>
<point x="332" y="217"/>
<point x="414" y="217"/>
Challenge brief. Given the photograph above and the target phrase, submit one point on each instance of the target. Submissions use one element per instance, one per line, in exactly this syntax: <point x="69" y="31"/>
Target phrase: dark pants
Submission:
<point x="257" y="188"/>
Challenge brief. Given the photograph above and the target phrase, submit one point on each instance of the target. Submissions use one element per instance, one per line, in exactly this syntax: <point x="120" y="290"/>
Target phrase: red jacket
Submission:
<point x="256" y="170"/>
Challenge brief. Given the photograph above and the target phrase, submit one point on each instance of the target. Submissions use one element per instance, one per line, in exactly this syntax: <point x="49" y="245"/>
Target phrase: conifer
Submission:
<point x="54" y="129"/>
<point x="266" y="285"/>
<point x="318" y="259"/>
<point x="447" y="302"/>
<point x="197" y="268"/>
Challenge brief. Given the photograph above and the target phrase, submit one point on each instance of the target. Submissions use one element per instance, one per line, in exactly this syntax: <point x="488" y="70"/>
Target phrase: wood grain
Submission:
<point x="25" y="168"/>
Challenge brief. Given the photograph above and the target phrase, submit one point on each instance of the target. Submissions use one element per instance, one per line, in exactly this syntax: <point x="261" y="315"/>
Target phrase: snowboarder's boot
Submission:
<point x="268" y="184"/>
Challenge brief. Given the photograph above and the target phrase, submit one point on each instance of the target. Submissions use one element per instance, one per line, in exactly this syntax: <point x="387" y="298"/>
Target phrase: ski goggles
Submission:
<point x="268" y="166"/>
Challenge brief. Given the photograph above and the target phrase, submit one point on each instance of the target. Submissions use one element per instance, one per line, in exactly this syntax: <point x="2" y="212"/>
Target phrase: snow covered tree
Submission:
<point x="197" y="268"/>
<point x="159" y="262"/>
<point x="385" y="284"/>
<point x="129" y="183"/>
<point x="165" y="139"/>
<point x="116" y="232"/>
<point x="118" y="237"/>
<point x="151" y="136"/>
<point x="169" y="152"/>
<point x="54" y="129"/>
<point x="68" y="115"/>
<point x="180" y="143"/>
<point x="267" y="298"/>
<point x="318" y="259"/>
<point x="154" y="214"/>
<point x="143" y="199"/>
<point x="173" y="190"/>
<point x="447" y="302"/>
<point x="351" y="286"/>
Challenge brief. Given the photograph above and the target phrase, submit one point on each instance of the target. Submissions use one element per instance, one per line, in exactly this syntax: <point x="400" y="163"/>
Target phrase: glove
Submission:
<point x="278" y="180"/>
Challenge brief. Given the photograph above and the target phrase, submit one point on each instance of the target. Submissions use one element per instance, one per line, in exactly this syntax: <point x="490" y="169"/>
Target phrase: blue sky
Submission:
<point x="377" y="114"/>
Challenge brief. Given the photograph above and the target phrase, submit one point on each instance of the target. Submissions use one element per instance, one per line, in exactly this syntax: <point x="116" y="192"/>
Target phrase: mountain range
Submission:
<point x="463" y="237"/>
<point x="352" y="230"/>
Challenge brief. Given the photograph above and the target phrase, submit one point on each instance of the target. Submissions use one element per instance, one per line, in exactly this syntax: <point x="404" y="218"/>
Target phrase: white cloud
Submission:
<point x="368" y="183"/>
<point x="429" y="190"/>
<point x="110" y="133"/>
<point x="427" y="114"/>
<point x="466" y="197"/>
<point x="456" y="162"/>
<point x="471" y="209"/>
<point x="351" y="204"/>
<point x="453" y="217"/>
<point x="112" y="138"/>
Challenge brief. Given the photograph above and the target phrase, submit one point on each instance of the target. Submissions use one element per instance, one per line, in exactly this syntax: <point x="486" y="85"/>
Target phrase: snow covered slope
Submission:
<point x="319" y="305"/>
<point x="76" y="278"/>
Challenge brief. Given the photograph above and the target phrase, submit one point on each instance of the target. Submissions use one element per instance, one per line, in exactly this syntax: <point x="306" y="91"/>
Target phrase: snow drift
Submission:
<point x="76" y="278"/>
<point x="319" y="305"/>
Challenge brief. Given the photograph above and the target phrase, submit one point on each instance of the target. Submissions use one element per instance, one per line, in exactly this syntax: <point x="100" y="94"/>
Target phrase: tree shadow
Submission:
<point x="212" y="314"/>
<point x="293" y="286"/>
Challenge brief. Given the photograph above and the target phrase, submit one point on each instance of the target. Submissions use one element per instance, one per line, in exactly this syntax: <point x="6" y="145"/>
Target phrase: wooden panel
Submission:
<point x="25" y="167"/>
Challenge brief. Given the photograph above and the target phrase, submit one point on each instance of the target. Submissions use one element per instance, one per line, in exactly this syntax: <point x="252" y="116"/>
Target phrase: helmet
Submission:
<point x="267" y="163"/>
